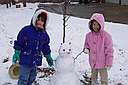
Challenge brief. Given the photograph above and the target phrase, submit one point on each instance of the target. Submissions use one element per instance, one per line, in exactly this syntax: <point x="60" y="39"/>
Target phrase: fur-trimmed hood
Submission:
<point x="37" y="12"/>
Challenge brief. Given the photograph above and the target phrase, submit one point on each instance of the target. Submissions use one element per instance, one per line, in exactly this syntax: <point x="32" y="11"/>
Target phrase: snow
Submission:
<point x="13" y="19"/>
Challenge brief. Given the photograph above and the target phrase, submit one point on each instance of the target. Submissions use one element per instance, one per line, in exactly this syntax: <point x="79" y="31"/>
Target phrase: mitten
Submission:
<point x="49" y="59"/>
<point x="16" y="56"/>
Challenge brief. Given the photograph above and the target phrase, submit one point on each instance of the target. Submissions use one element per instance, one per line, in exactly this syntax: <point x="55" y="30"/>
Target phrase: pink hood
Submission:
<point x="99" y="18"/>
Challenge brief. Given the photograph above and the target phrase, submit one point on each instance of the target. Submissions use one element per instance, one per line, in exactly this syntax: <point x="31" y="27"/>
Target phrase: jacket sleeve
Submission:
<point x="86" y="45"/>
<point x="108" y="50"/>
<point x="46" y="48"/>
<point x="21" y="39"/>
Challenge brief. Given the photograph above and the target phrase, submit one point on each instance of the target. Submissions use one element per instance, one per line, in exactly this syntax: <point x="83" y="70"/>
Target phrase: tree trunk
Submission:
<point x="7" y="4"/>
<point x="65" y="5"/>
<point x="80" y="1"/>
<point x="13" y="2"/>
<point x="24" y="3"/>
<point x="10" y="3"/>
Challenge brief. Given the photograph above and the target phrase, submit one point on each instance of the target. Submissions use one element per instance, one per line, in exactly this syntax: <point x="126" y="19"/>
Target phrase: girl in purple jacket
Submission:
<point x="32" y="41"/>
<point x="100" y="49"/>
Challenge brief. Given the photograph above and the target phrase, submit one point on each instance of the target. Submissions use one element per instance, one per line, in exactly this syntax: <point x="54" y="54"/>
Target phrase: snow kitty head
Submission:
<point x="65" y="48"/>
<point x="65" y="62"/>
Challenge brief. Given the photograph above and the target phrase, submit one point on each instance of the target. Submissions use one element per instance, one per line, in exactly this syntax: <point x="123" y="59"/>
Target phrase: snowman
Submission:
<point x="64" y="65"/>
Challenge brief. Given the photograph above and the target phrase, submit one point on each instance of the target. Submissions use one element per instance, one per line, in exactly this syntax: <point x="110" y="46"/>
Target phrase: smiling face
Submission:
<point x="95" y="26"/>
<point x="39" y="20"/>
<point x="40" y="23"/>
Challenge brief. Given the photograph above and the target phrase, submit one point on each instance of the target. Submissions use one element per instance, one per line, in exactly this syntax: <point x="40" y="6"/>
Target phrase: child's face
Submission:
<point x="95" y="26"/>
<point x="39" y="23"/>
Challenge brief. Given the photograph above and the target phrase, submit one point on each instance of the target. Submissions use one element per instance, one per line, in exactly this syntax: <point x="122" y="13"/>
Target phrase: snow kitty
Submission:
<point x="64" y="65"/>
<point x="99" y="44"/>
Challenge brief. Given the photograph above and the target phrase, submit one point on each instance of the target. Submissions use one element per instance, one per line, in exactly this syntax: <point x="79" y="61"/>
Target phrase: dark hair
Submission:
<point x="90" y="24"/>
<point x="43" y="16"/>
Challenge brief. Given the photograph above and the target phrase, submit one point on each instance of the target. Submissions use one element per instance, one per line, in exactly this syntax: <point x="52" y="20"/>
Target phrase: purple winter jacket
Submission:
<point x="100" y="45"/>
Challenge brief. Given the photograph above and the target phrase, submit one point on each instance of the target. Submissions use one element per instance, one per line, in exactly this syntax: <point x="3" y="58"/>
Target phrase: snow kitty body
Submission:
<point x="65" y="72"/>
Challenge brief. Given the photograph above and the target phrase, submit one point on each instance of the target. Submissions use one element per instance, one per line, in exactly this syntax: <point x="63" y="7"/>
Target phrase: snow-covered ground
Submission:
<point x="13" y="19"/>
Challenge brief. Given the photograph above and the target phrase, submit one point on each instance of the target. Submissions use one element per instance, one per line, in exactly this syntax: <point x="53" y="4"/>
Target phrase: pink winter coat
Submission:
<point x="100" y="45"/>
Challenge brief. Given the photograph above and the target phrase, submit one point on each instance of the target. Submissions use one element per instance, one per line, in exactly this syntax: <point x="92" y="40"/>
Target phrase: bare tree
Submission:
<point x="65" y="5"/>
<point x="24" y="3"/>
<point x="8" y="3"/>
<point x="13" y="2"/>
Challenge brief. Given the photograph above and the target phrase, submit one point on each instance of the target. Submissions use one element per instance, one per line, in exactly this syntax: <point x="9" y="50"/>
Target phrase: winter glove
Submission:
<point x="16" y="56"/>
<point x="49" y="59"/>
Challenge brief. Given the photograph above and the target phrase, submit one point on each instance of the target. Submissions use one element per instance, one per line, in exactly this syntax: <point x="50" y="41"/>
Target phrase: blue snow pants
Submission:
<point x="27" y="75"/>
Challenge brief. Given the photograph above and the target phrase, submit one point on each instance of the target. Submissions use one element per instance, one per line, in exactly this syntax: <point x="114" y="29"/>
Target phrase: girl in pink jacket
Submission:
<point x="100" y="47"/>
